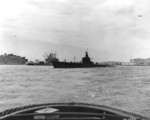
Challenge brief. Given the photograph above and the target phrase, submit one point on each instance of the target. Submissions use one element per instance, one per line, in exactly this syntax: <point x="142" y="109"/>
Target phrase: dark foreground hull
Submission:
<point x="76" y="65"/>
<point x="68" y="111"/>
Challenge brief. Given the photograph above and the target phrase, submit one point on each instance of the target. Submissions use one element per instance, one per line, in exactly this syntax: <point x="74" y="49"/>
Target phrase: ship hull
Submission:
<point x="68" y="111"/>
<point x="75" y="65"/>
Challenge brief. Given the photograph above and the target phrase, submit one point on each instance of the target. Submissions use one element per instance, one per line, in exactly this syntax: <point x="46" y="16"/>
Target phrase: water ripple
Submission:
<point x="126" y="88"/>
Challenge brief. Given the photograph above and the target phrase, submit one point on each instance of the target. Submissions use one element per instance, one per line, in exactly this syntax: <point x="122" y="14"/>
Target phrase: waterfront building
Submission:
<point x="12" y="59"/>
<point x="140" y="61"/>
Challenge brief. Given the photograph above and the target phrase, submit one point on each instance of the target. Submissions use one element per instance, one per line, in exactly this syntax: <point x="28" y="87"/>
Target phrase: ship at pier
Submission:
<point x="86" y="63"/>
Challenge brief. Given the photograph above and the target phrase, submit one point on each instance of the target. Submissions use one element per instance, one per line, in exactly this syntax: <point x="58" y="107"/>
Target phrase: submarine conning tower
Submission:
<point x="86" y="59"/>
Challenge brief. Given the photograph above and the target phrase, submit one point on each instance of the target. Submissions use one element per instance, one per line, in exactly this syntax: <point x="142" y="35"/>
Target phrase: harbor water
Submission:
<point x="124" y="87"/>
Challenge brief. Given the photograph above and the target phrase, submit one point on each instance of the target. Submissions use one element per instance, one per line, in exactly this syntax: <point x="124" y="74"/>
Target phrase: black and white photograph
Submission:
<point x="74" y="59"/>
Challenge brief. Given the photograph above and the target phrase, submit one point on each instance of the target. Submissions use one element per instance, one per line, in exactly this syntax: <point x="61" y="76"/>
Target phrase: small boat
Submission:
<point x="68" y="111"/>
<point x="86" y="63"/>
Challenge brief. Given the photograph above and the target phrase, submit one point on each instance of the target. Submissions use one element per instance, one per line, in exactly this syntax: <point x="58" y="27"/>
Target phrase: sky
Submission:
<point x="111" y="30"/>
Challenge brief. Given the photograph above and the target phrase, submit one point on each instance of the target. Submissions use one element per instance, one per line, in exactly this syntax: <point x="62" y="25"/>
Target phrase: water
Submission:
<point x="126" y="88"/>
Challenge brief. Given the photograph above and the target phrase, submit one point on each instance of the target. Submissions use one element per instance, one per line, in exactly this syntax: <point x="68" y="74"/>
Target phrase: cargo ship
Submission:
<point x="47" y="61"/>
<point x="86" y="63"/>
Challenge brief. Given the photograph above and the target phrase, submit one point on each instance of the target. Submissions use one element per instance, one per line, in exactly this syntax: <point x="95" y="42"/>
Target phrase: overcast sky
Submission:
<point x="110" y="29"/>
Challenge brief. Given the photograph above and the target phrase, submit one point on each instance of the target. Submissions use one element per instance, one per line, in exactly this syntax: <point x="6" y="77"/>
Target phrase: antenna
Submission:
<point x="55" y="54"/>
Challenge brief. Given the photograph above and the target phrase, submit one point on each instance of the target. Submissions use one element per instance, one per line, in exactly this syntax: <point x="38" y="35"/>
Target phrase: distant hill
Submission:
<point x="11" y="59"/>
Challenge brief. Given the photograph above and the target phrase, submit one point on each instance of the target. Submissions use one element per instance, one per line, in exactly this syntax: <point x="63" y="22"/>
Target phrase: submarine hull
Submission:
<point x="75" y="65"/>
